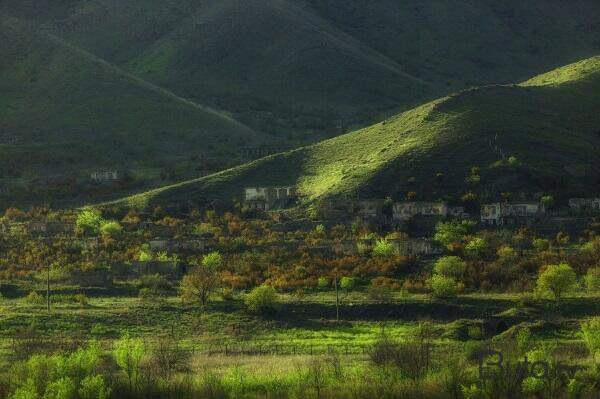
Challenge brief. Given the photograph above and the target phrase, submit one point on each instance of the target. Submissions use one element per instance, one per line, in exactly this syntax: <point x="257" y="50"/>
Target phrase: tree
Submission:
<point x="556" y="280"/>
<point x="450" y="266"/>
<point x="348" y="283"/>
<point x="477" y="245"/>
<point x="128" y="354"/>
<point x="203" y="280"/>
<point x="111" y="228"/>
<point x="547" y="201"/>
<point x="88" y="222"/>
<point x="541" y="244"/>
<point x="452" y="234"/>
<point x="442" y="286"/>
<point x="592" y="279"/>
<point x="263" y="300"/>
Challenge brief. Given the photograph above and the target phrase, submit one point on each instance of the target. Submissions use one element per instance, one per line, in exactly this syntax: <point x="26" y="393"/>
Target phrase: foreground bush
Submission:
<point x="262" y="300"/>
<point x="442" y="286"/>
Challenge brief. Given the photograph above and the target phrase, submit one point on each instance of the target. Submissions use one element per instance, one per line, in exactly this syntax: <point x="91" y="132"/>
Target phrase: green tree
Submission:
<point x="111" y="228"/>
<point x="63" y="388"/>
<point x="94" y="387"/>
<point x="541" y="244"/>
<point x="452" y="234"/>
<point x="348" y="283"/>
<point x="556" y="280"/>
<point x="203" y="279"/>
<point x="128" y="354"/>
<point x="442" y="286"/>
<point x="477" y="245"/>
<point x="88" y="222"/>
<point x="450" y="266"/>
<point x="262" y="300"/>
<point x="592" y="279"/>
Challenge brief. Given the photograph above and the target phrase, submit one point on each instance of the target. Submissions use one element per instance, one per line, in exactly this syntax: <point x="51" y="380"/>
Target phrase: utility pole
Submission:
<point x="337" y="300"/>
<point x="48" y="284"/>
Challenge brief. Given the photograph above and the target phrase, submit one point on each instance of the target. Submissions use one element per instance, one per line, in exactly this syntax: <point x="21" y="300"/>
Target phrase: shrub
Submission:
<point x="450" y="266"/>
<point x="541" y="244"/>
<point x="111" y="228"/>
<point x="33" y="298"/>
<point x="556" y="280"/>
<point x="442" y="286"/>
<point x="323" y="282"/>
<point x="590" y="332"/>
<point x="63" y="388"/>
<point x="348" y="283"/>
<point x="262" y="300"/>
<point x="592" y="279"/>
<point x="94" y="387"/>
<point x="383" y="248"/>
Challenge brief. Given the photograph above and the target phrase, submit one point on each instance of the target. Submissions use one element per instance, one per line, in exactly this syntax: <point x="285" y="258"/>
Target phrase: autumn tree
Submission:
<point x="203" y="279"/>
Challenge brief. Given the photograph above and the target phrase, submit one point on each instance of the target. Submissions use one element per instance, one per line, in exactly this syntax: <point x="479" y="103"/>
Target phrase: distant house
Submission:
<point x="368" y="209"/>
<point x="498" y="214"/>
<point x="105" y="175"/>
<point x="178" y="245"/>
<point x="585" y="204"/>
<point x="416" y="247"/>
<point x="268" y="198"/>
<point x="405" y="210"/>
<point x="50" y="227"/>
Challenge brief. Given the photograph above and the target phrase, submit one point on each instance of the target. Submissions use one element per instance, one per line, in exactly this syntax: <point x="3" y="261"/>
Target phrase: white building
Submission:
<point x="498" y="214"/>
<point x="105" y="175"/>
<point x="582" y="204"/>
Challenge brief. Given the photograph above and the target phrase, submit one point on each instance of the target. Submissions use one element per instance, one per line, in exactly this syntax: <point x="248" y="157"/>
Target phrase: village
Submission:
<point x="343" y="228"/>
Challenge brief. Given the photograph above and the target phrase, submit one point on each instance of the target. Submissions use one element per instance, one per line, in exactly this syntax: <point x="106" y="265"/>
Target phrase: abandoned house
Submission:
<point x="585" y="204"/>
<point x="406" y="210"/>
<point x="105" y="175"/>
<point x="368" y="209"/>
<point x="50" y="227"/>
<point x="268" y="198"/>
<point x="416" y="247"/>
<point x="499" y="214"/>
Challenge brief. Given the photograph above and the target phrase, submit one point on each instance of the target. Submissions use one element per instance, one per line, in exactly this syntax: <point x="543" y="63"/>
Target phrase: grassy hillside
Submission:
<point x="551" y="128"/>
<point x="64" y="109"/>
<point x="305" y="68"/>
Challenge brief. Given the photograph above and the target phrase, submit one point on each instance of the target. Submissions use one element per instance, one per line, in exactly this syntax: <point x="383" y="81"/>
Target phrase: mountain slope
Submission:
<point x="308" y="68"/>
<point x="550" y="129"/>
<point x="62" y="108"/>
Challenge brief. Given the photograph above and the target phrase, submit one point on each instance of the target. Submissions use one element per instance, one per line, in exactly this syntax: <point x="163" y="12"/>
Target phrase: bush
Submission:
<point x="323" y="282"/>
<point x="590" y="332"/>
<point x="450" y="266"/>
<point x="111" y="228"/>
<point x="383" y="248"/>
<point x="94" y="387"/>
<point x="262" y="300"/>
<point x="592" y="279"/>
<point x="442" y="286"/>
<point x="348" y="283"/>
<point x="33" y="298"/>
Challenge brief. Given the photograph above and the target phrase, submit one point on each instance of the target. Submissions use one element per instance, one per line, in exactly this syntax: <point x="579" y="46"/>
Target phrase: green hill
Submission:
<point x="65" y="110"/>
<point x="543" y="135"/>
<point x="308" y="68"/>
